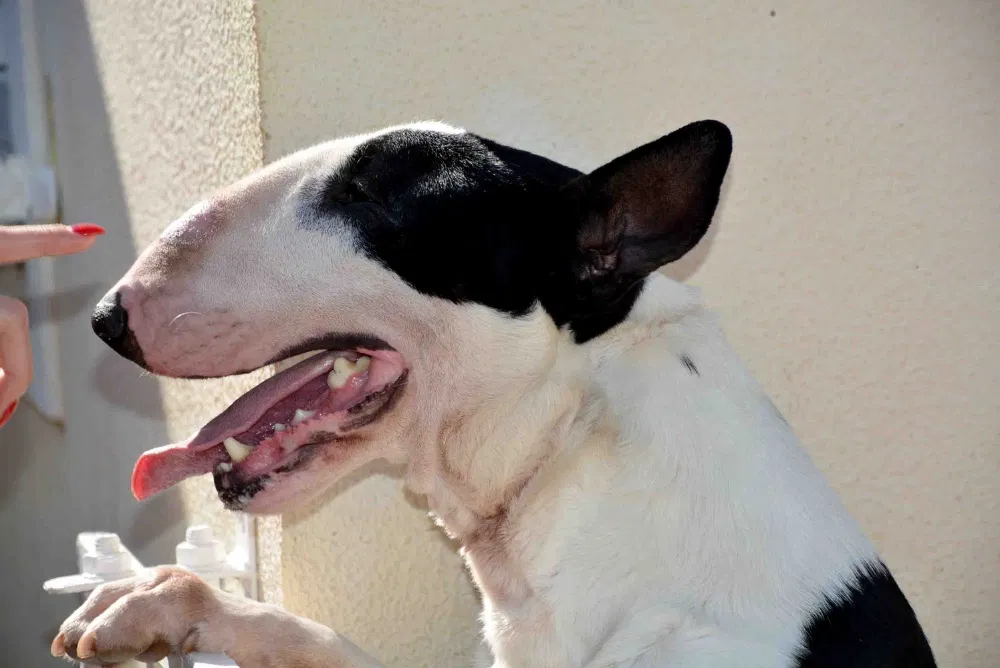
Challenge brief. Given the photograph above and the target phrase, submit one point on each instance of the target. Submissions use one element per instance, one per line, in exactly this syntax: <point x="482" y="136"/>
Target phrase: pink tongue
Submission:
<point x="163" y="467"/>
<point x="160" y="468"/>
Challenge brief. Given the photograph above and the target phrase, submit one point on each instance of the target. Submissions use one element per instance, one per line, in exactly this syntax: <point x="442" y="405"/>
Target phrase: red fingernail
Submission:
<point x="87" y="229"/>
<point x="8" y="413"/>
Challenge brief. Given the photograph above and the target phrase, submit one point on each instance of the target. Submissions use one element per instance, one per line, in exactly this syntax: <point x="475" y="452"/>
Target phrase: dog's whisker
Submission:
<point x="181" y="315"/>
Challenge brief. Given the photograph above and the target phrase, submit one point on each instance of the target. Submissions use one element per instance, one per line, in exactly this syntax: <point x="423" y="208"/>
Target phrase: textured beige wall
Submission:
<point x="182" y="105"/>
<point x="155" y="105"/>
<point x="855" y="257"/>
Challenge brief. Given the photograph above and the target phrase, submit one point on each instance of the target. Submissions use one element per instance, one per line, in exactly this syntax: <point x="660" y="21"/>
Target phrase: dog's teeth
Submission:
<point x="224" y="467"/>
<point x="336" y="380"/>
<point x="302" y="416"/>
<point x="342" y="371"/>
<point x="279" y="427"/>
<point x="237" y="451"/>
<point x="344" y="368"/>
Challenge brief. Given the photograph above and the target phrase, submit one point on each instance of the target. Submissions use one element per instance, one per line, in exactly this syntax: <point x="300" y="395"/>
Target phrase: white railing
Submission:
<point x="101" y="557"/>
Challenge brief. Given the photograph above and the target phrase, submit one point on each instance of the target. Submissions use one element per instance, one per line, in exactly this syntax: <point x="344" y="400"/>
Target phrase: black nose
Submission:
<point x="110" y="323"/>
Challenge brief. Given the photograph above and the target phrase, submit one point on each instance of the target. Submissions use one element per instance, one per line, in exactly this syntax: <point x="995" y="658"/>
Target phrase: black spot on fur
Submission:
<point x="467" y="219"/>
<point x="451" y="217"/>
<point x="873" y="627"/>
<point x="689" y="365"/>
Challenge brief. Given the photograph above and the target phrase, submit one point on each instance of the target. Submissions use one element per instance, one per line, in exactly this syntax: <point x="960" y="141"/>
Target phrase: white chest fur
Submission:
<point x="687" y="527"/>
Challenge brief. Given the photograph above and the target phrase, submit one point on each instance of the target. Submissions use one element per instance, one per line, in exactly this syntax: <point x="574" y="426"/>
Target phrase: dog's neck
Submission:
<point x="491" y="465"/>
<point x="485" y="453"/>
<point x="489" y="460"/>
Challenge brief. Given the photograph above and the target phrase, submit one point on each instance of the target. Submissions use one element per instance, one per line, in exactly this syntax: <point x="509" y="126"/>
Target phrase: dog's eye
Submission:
<point x="351" y="193"/>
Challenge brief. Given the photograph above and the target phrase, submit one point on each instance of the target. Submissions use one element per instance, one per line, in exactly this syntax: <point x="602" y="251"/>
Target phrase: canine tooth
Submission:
<point x="237" y="451"/>
<point x="224" y="467"/>
<point x="302" y="416"/>
<point x="279" y="427"/>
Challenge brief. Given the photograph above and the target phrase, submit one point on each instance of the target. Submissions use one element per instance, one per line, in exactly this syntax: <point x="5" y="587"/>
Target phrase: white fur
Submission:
<point x="697" y="534"/>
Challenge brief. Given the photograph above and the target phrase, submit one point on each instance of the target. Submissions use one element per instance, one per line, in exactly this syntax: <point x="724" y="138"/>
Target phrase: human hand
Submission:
<point x="17" y="244"/>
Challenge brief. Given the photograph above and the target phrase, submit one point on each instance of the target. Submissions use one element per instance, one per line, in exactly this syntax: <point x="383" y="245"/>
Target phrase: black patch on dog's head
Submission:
<point x="449" y="215"/>
<point x="467" y="219"/>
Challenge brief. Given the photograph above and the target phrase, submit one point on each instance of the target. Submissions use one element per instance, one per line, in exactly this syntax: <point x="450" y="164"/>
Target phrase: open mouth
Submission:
<point x="279" y="425"/>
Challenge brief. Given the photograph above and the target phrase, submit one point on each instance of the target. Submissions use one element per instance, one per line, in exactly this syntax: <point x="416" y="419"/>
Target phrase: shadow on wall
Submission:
<point x="56" y="482"/>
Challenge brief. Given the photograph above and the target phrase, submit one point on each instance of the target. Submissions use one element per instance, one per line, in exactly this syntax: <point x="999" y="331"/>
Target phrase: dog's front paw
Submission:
<point x="146" y="617"/>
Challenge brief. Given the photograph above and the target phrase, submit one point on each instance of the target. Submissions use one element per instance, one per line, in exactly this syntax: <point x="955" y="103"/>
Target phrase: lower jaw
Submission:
<point x="237" y="493"/>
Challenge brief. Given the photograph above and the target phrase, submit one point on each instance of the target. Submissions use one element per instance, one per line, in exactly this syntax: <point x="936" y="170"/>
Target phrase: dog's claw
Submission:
<point x="87" y="646"/>
<point x="58" y="648"/>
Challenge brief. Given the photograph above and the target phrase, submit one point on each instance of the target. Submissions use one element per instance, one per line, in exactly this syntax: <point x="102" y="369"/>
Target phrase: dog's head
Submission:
<point x="428" y="270"/>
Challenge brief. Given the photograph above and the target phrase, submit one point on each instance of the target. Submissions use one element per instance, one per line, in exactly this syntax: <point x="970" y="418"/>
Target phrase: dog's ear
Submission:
<point x="647" y="208"/>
